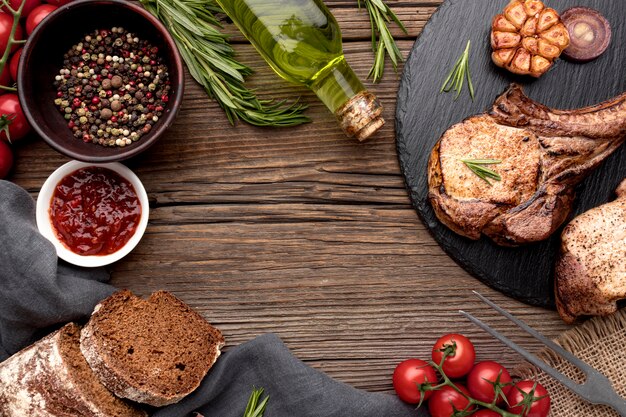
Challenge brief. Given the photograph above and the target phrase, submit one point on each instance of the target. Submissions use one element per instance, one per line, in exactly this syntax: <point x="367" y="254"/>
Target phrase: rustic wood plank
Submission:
<point x="351" y="289"/>
<point x="301" y="231"/>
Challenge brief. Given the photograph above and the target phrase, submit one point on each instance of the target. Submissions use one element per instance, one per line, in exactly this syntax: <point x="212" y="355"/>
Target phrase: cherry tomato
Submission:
<point x="13" y="64"/>
<point x="59" y="2"/>
<point x="485" y="413"/>
<point x="6" y="160"/>
<point x="5" y="78"/>
<point x="539" y="408"/>
<point x="408" y="375"/>
<point x="6" y="25"/>
<point x="459" y="364"/>
<point x="29" y="5"/>
<point x="444" y="401"/>
<point x="481" y="379"/>
<point x="11" y="109"/>
<point x="38" y="14"/>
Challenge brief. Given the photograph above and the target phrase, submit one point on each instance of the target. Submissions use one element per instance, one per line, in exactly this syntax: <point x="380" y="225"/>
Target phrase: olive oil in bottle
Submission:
<point x="301" y="41"/>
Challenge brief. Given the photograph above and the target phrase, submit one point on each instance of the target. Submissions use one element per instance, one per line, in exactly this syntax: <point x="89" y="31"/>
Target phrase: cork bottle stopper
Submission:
<point x="361" y="116"/>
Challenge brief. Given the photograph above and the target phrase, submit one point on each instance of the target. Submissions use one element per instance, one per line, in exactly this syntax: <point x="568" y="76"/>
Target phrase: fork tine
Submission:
<point x="525" y="354"/>
<point x="549" y="343"/>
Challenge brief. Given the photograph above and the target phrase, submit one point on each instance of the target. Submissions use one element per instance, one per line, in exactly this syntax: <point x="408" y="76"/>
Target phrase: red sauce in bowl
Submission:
<point x="94" y="211"/>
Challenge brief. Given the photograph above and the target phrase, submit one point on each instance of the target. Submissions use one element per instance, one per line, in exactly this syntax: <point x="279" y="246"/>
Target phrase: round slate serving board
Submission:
<point x="423" y="114"/>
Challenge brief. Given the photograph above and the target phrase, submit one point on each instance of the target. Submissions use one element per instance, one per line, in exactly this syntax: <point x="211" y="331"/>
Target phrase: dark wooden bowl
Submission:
<point x="43" y="58"/>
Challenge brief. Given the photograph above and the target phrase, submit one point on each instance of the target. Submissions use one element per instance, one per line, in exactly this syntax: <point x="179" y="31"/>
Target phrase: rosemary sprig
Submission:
<point x="478" y="167"/>
<point x="254" y="408"/>
<point x="210" y="60"/>
<point x="382" y="40"/>
<point x="459" y="73"/>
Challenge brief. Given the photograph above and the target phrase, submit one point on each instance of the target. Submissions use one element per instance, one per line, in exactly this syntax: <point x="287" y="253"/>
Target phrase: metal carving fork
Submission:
<point x="596" y="389"/>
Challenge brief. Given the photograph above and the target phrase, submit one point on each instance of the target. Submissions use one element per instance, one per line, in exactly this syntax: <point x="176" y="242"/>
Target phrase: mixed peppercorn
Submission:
<point x="113" y="88"/>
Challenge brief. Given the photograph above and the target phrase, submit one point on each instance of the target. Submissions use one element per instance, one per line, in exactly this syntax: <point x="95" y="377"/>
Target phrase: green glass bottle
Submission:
<point x="301" y="41"/>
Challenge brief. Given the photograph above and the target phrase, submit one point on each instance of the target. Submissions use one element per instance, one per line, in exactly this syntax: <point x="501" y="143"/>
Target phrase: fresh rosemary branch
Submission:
<point x="459" y="73"/>
<point x="254" y="408"/>
<point x="478" y="167"/>
<point x="12" y="41"/>
<point x="382" y="40"/>
<point x="210" y="60"/>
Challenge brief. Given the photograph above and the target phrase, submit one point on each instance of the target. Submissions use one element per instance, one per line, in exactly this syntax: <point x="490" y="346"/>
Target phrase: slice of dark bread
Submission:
<point x="51" y="378"/>
<point x="153" y="351"/>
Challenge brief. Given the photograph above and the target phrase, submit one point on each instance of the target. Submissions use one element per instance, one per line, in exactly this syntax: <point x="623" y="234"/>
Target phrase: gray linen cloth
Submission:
<point x="37" y="294"/>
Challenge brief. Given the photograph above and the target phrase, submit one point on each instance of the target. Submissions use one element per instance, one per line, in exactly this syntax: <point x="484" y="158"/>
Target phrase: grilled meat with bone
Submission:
<point x="543" y="154"/>
<point x="590" y="275"/>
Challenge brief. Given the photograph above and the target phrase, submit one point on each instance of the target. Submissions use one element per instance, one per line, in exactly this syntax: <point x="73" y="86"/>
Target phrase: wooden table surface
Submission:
<point x="301" y="231"/>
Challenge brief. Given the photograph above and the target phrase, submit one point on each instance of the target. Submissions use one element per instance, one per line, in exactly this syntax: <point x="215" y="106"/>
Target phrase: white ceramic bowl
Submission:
<point x="45" y="226"/>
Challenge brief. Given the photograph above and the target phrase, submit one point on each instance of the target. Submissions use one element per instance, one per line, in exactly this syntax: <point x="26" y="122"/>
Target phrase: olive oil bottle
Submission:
<point x="301" y="41"/>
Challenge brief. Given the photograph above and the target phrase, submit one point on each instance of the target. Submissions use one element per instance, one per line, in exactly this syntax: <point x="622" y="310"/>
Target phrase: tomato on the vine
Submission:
<point x="12" y="118"/>
<point x="461" y="362"/>
<point x="38" y="14"/>
<point x="445" y="401"/>
<point x="485" y="413"/>
<point x="6" y="25"/>
<point x="5" y="78"/>
<point x="406" y="377"/>
<point x="482" y="378"/>
<point x="529" y="399"/>
<point x="14" y="63"/>
<point x="29" y="5"/>
<point x="6" y="160"/>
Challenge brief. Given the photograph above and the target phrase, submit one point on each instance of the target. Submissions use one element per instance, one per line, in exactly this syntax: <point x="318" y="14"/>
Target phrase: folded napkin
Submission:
<point x="37" y="294"/>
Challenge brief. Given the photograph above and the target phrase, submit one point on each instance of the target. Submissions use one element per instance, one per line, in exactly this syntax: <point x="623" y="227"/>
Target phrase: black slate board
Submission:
<point x="423" y="115"/>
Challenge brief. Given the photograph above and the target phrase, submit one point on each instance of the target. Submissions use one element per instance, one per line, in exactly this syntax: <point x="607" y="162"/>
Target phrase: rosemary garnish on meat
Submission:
<point x="254" y="408"/>
<point x="382" y="40"/>
<point x="459" y="74"/>
<point x="478" y="167"/>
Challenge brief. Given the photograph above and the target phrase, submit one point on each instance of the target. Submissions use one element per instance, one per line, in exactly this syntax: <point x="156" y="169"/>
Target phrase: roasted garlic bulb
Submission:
<point x="528" y="37"/>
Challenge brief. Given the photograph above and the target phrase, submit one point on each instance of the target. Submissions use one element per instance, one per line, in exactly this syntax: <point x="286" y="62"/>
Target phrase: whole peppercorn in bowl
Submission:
<point x="100" y="81"/>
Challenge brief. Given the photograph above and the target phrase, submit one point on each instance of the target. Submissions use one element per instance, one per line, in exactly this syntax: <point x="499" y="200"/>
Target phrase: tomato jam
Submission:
<point x="94" y="211"/>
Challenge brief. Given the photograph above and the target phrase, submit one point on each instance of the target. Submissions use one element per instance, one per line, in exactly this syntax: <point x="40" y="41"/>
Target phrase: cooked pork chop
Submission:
<point x="543" y="154"/>
<point x="590" y="274"/>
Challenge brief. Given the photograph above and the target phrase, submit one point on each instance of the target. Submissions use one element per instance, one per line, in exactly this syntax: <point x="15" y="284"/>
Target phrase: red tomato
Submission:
<point x="6" y="25"/>
<point x="13" y="64"/>
<point x="446" y="400"/>
<point x="6" y="160"/>
<point x="11" y="111"/>
<point x="485" y="413"/>
<point x="5" y="78"/>
<point x="59" y="2"/>
<point x="481" y="378"/>
<point x="408" y="375"/>
<point x="29" y="5"/>
<point x="539" y="408"/>
<point x="459" y="364"/>
<point x="38" y="14"/>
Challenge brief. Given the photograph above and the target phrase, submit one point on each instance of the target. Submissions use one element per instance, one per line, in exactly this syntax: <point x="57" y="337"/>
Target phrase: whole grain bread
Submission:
<point x="51" y="378"/>
<point x="153" y="351"/>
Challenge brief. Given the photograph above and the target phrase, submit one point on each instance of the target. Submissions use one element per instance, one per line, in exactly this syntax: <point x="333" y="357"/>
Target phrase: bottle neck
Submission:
<point x="358" y="111"/>
<point x="337" y="84"/>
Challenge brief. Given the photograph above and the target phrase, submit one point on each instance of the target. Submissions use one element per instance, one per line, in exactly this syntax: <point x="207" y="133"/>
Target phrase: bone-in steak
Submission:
<point x="543" y="154"/>
<point x="590" y="274"/>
